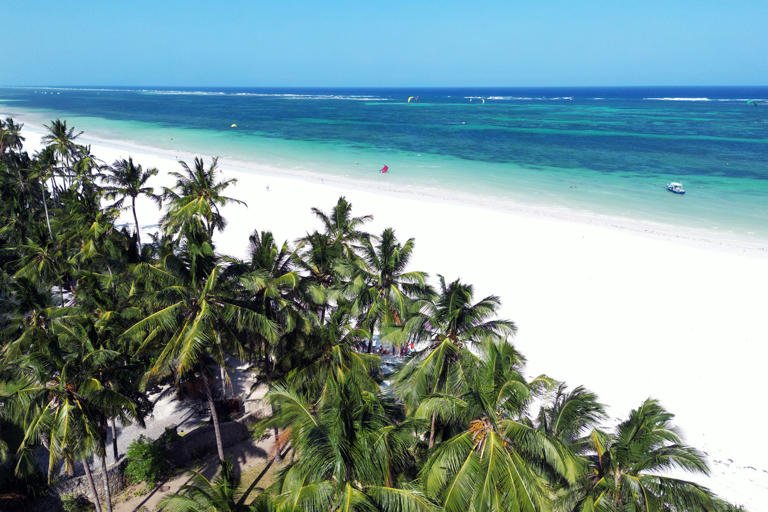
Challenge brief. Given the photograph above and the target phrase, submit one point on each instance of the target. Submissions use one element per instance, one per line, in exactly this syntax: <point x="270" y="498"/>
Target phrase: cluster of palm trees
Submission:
<point x="92" y="319"/>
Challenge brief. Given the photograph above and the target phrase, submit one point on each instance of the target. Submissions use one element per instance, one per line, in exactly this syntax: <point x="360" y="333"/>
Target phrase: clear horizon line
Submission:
<point x="378" y="86"/>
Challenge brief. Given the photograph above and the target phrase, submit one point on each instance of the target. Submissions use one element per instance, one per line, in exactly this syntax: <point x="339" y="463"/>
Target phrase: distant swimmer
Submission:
<point x="233" y="125"/>
<point x="384" y="169"/>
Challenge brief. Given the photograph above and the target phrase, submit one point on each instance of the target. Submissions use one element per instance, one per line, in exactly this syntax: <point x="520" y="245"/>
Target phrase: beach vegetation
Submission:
<point x="146" y="461"/>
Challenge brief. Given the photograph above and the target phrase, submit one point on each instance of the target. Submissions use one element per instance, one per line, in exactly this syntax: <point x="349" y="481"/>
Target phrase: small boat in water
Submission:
<point x="675" y="188"/>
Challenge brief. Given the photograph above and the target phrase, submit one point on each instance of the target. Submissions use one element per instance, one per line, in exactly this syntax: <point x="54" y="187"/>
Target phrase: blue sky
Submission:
<point x="393" y="43"/>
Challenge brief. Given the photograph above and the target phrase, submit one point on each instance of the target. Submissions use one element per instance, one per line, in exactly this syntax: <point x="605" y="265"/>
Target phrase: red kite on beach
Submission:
<point x="384" y="169"/>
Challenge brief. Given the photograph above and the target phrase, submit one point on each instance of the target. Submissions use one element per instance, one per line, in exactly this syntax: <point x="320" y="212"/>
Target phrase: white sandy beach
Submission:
<point x="624" y="308"/>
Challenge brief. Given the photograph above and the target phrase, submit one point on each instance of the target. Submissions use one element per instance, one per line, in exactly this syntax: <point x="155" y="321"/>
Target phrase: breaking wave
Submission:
<point x="170" y="92"/>
<point x="530" y="98"/>
<point x="707" y="99"/>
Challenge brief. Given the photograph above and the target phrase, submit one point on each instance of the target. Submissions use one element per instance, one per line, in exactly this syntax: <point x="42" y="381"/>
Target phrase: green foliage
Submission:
<point x="168" y="435"/>
<point x="146" y="461"/>
<point x="79" y="503"/>
<point x="202" y="494"/>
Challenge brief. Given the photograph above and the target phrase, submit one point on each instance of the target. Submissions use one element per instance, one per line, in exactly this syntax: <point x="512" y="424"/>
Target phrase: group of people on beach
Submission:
<point x="402" y="351"/>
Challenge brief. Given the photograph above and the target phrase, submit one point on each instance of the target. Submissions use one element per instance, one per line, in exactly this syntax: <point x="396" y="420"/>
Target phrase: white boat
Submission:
<point x="675" y="188"/>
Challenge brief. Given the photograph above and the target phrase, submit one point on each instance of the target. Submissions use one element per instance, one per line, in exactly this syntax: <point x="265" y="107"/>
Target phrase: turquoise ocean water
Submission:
<point x="603" y="150"/>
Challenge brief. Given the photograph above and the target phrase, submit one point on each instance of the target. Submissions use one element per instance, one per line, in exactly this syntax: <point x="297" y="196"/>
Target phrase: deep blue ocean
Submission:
<point x="607" y="150"/>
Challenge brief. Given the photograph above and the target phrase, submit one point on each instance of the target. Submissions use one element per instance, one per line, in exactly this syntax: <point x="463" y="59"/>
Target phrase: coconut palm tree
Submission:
<point x="204" y="495"/>
<point x="194" y="316"/>
<point x="570" y="416"/>
<point x="43" y="169"/>
<point x="126" y="179"/>
<point x="32" y="321"/>
<point x="318" y="256"/>
<point x="378" y="286"/>
<point x="448" y="326"/>
<point x="61" y="139"/>
<point x="349" y="453"/>
<point x="43" y="264"/>
<point x="59" y="400"/>
<point x="498" y="460"/>
<point x="106" y="297"/>
<point x="331" y="356"/>
<point x="269" y="282"/>
<point x="627" y="466"/>
<point x="10" y="135"/>
<point x="194" y="202"/>
<point x="341" y="227"/>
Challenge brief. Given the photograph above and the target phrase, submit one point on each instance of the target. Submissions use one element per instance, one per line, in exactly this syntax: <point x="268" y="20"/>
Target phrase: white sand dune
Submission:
<point x="628" y="309"/>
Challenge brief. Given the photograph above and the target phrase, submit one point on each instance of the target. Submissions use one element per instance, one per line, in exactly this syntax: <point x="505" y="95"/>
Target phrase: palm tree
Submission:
<point x="497" y="461"/>
<point x="626" y="468"/>
<point x="194" y="316"/>
<point x="319" y="258"/>
<point x="195" y="200"/>
<point x="322" y="252"/>
<point x="269" y="282"/>
<point x="570" y="416"/>
<point x="331" y="357"/>
<point x="449" y="325"/>
<point x="106" y="296"/>
<point x="10" y="135"/>
<point x="127" y="179"/>
<point x="32" y="322"/>
<point x="379" y="286"/>
<point x="61" y="139"/>
<point x="204" y="495"/>
<point x="43" y="170"/>
<point x="341" y="227"/>
<point x="43" y="264"/>
<point x="59" y="400"/>
<point x="349" y="452"/>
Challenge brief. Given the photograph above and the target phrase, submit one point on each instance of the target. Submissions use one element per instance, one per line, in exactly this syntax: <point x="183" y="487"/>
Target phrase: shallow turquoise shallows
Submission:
<point x="605" y="150"/>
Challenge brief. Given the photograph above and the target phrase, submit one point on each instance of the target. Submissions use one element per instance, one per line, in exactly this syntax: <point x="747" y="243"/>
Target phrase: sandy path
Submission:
<point x="245" y="456"/>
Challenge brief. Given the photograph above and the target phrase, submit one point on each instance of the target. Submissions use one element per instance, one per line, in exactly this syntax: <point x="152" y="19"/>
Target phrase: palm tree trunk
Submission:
<point x="221" y="372"/>
<point x="53" y="183"/>
<point x="136" y="220"/>
<point x="432" y="431"/>
<point x="214" y="414"/>
<point x="21" y="184"/>
<point x="106" y="482"/>
<point x="370" y="340"/>
<point x="114" y="439"/>
<point x="223" y="384"/>
<point x="45" y="205"/>
<point x="92" y="485"/>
